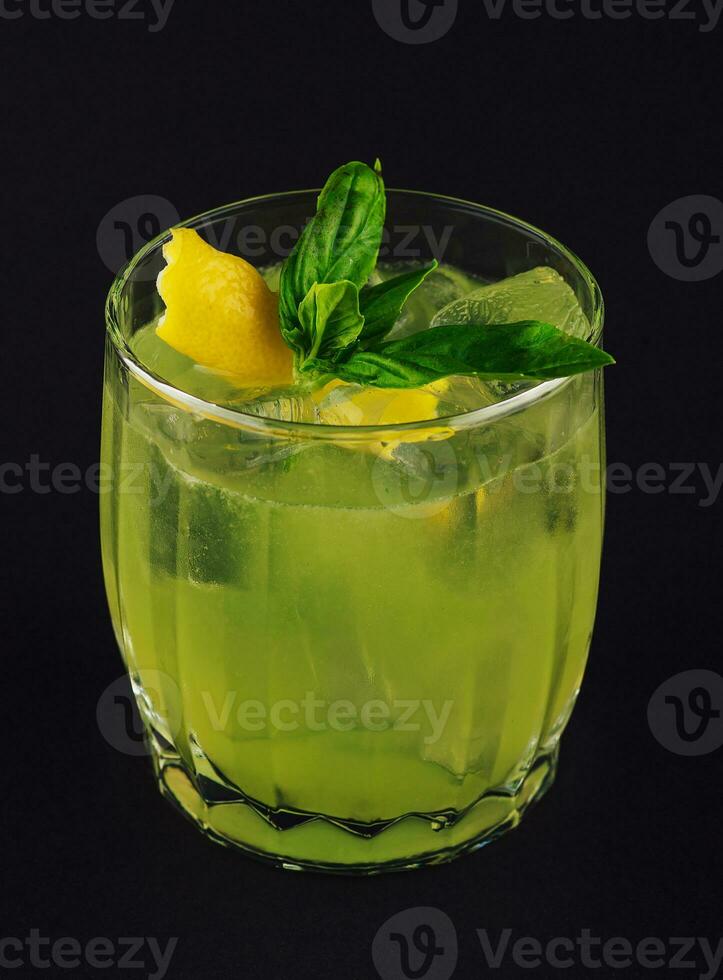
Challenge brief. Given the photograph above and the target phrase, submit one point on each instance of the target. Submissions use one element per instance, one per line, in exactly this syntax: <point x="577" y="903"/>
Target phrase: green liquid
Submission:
<point x="387" y="639"/>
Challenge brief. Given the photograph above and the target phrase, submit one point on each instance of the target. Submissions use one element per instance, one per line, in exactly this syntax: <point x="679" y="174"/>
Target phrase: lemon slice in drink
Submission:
<point x="345" y="404"/>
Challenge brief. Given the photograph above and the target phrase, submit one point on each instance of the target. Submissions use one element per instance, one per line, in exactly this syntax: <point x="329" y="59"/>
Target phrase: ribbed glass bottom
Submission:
<point x="304" y="841"/>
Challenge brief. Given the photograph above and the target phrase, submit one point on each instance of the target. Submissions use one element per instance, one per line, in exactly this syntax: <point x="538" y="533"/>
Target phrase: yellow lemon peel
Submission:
<point x="221" y="313"/>
<point x="379" y="406"/>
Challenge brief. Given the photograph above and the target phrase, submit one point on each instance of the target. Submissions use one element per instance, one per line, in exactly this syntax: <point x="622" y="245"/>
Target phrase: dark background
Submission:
<point x="585" y="128"/>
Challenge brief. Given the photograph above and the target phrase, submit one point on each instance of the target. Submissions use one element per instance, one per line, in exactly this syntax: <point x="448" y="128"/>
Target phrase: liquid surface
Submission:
<point x="448" y="295"/>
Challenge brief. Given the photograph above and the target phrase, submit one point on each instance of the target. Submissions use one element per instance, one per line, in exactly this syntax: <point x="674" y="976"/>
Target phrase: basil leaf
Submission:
<point x="329" y="317"/>
<point x="381" y="305"/>
<point x="341" y="242"/>
<point x="506" y="352"/>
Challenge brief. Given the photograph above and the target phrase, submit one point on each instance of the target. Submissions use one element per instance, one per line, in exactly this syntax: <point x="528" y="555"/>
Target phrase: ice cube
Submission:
<point x="219" y="529"/>
<point x="540" y="294"/>
<point x="458" y="395"/>
<point x="442" y="287"/>
<point x="161" y="498"/>
<point x="286" y="405"/>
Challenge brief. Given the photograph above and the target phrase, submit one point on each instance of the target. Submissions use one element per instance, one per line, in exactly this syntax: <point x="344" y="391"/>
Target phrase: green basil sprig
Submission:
<point x="502" y="352"/>
<point x="340" y="244"/>
<point x="336" y="323"/>
<point x="381" y="305"/>
<point x="329" y="316"/>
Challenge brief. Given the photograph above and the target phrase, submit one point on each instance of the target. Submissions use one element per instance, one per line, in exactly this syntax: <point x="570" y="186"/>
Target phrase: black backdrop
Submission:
<point x="587" y="128"/>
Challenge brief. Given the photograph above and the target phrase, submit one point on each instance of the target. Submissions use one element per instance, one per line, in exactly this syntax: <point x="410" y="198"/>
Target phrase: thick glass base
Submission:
<point x="301" y="841"/>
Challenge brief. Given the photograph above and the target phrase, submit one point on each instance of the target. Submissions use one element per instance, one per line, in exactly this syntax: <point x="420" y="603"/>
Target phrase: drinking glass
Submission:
<point x="354" y="648"/>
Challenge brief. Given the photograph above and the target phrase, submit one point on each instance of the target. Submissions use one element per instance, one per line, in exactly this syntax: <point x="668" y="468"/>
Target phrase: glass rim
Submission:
<point x="236" y="418"/>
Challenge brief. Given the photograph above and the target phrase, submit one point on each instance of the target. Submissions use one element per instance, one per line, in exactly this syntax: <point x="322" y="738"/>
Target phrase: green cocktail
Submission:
<point x="356" y="620"/>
